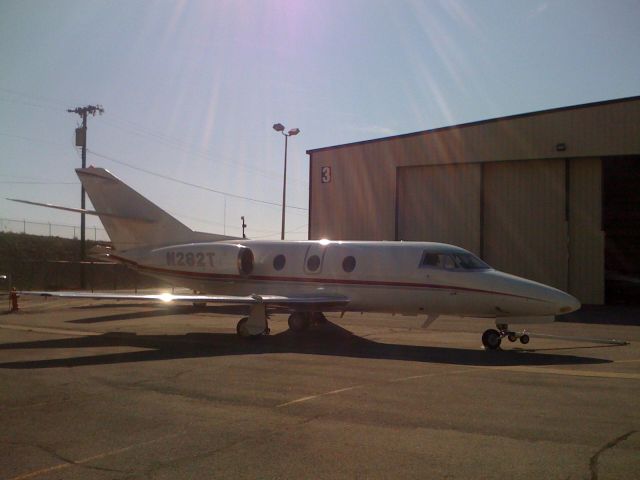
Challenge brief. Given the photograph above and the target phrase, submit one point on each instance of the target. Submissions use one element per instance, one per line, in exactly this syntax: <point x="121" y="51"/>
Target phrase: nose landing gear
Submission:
<point x="491" y="338"/>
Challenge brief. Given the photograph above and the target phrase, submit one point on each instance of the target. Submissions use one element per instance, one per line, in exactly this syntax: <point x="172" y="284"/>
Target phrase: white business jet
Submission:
<point x="307" y="278"/>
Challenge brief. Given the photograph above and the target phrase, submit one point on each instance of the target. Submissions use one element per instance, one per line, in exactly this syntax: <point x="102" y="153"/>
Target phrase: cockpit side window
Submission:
<point x="469" y="262"/>
<point x="437" y="260"/>
<point x="430" y="260"/>
<point x="452" y="261"/>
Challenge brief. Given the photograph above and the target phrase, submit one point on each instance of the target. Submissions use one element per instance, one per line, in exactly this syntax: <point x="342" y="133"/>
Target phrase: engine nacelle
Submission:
<point x="221" y="258"/>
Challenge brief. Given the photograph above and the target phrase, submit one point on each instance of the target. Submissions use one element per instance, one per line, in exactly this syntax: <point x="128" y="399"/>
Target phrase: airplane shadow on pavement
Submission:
<point x="327" y="339"/>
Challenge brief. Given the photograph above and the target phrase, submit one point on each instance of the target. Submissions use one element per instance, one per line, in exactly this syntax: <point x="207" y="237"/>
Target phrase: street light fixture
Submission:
<point x="278" y="127"/>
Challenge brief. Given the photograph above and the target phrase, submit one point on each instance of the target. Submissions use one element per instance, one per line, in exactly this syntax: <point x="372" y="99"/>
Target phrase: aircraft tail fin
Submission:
<point x="130" y="219"/>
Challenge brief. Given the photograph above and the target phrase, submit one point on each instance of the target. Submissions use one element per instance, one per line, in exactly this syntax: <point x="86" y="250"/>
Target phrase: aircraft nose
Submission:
<point x="551" y="301"/>
<point x="567" y="303"/>
<point x="559" y="301"/>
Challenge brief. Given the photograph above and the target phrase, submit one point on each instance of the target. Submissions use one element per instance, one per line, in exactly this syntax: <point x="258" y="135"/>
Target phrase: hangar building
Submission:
<point x="553" y="196"/>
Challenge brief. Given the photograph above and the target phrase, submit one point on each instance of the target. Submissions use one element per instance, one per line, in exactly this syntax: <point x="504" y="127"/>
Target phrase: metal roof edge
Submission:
<point x="479" y="122"/>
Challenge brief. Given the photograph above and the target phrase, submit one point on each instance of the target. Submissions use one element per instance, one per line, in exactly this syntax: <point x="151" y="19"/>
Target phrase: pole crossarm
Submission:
<point x="89" y="109"/>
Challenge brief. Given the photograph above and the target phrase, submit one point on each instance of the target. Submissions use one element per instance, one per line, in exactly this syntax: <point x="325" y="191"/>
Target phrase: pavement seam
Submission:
<point x="593" y="461"/>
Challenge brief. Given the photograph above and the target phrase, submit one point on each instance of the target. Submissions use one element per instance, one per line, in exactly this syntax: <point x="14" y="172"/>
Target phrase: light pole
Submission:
<point x="278" y="127"/>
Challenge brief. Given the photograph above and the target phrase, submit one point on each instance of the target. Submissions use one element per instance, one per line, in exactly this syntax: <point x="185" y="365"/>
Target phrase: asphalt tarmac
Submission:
<point x="111" y="390"/>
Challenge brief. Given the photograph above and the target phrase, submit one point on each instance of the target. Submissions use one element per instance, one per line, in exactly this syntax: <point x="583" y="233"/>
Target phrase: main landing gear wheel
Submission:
<point x="524" y="339"/>
<point x="318" y="318"/>
<point x="299" y="322"/>
<point x="242" y="329"/>
<point x="491" y="339"/>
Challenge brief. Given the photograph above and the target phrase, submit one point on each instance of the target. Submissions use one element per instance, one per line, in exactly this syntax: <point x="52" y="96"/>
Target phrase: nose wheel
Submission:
<point x="491" y="339"/>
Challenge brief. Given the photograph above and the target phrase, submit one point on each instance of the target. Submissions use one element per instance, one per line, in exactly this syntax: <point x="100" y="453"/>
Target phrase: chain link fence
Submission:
<point x="51" y="229"/>
<point x="66" y="275"/>
<point x="22" y="264"/>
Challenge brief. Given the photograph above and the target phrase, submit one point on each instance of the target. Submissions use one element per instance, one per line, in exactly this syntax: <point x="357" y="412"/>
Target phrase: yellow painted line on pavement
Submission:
<point x="311" y="397"/>
<point x="515" y="368"/>
<point x="57" y="331"/>
<point x="346" y="389"/>
<point x="426" y="375"/>
<point x="72" y="463"/>
<point x="567" y="372"/>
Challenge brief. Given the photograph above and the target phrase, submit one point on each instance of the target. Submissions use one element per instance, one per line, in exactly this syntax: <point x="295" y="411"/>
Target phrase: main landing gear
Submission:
<point x="256" y="324"/>
<point x="244" y="331"/>
<point x="491" y="338"/>
<point x="301" y="321"/>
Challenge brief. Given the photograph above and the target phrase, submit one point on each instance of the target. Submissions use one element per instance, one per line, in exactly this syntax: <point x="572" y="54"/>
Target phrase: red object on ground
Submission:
<point x="14" y="300"/>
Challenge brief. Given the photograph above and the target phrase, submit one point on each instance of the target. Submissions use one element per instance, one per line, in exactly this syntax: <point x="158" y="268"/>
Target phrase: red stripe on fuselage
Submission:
<point x="336" y="281"/>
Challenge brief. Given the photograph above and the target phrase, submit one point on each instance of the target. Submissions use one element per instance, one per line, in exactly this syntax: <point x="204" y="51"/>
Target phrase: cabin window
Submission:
<point x="279" y="262"/>
<point x="349" y="264"/>
<point x="313" y="263"/>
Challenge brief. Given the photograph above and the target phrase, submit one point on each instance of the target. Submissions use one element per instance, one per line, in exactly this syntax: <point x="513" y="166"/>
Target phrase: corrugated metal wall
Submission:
<point x="441" y="204"/>
<point x="586" y="239"/>
<point x="525" y="225"/>
<point x="538" y="223"/>
<point x="357" y="204"/>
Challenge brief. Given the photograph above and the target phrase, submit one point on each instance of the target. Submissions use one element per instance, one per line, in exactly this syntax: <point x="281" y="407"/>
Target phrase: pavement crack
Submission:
<point x="76" y="463"/>
<point x="55" y="454"/>
<point x="593" y="461"/>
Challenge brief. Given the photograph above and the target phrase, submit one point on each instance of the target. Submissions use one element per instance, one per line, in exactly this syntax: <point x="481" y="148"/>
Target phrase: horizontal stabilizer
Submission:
<point x="83" y="210"/>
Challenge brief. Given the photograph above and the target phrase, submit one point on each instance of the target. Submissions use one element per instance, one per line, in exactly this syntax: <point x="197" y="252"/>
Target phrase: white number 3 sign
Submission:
<point x="325" y="174"/>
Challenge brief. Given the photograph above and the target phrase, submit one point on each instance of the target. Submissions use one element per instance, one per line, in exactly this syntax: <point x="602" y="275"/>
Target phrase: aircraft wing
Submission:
<point x="289" y="302"/>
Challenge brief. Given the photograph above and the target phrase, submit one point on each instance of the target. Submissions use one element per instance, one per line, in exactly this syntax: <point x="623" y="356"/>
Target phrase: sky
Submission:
<point x="191" y="89"/>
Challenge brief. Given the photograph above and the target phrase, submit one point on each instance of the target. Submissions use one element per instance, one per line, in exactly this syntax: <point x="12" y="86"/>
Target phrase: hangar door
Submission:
<point x="525" y="219"/>
<point x="439" y="203"/>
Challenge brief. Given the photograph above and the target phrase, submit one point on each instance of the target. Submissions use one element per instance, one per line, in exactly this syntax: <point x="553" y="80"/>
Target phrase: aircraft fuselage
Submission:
<point x="394" y="277"/>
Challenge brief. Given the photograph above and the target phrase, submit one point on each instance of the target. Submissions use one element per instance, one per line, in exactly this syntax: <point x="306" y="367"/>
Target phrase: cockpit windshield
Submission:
<point x="452" y="261"/>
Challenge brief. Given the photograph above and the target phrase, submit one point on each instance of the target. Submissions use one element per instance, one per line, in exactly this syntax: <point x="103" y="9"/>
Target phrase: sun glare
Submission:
<point x="166" y="297"/>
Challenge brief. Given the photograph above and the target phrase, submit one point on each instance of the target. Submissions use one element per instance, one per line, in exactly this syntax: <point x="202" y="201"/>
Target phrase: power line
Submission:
<point x="295" y="230"/>
<point x="167" y="140"/>
<point x="189" y="184"/>
<point x="30" y="139"/>
<point x="134" y="129"/>
<point x="53" y="104"/>
<point x="24" y="182"/>
<point x="120" y="162"/>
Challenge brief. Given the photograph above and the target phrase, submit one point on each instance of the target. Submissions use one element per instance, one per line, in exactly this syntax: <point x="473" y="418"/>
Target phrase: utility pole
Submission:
<point x="81" y="141"/>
